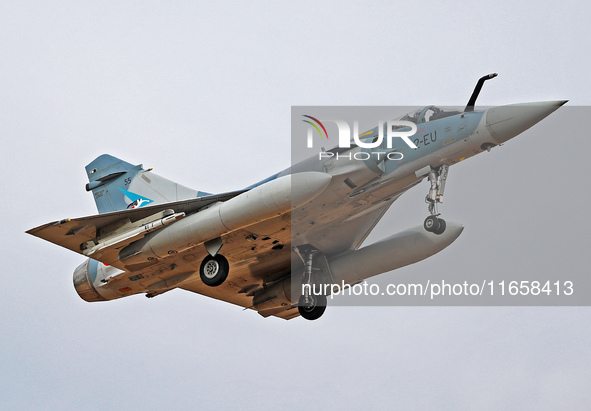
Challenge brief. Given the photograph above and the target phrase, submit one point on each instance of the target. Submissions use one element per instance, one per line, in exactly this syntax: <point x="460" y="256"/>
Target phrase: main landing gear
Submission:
<point x="214" y="270"/>
<point x="437" y="177"/>
<point x="311" y="305"/>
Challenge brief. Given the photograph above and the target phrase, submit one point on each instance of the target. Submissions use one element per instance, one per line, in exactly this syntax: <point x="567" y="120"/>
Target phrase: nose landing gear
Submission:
<point x="435" y="225"/>
<point x="437" y="177"/>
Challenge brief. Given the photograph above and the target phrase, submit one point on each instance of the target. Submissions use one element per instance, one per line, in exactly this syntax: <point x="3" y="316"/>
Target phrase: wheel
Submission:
<point x="441" y="228"/>
<point x="312" y="311"/>
<point x="214" y="270"/>
<point x="431" y="223"/>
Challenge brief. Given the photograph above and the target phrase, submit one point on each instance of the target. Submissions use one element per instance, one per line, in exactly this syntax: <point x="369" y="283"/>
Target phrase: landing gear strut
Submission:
<point x="437" y="177"/>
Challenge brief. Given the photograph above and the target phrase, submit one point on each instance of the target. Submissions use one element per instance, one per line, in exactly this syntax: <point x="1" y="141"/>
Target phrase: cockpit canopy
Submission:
<point x="429" y="113"/>
<point x="419" y="116"/>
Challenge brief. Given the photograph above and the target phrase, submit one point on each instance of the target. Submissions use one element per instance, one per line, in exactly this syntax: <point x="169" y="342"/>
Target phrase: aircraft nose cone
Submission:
<point x="505" y="122"/>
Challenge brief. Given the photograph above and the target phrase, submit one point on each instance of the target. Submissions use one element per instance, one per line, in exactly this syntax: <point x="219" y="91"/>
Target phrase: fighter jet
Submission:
<point x="264" y="246"/>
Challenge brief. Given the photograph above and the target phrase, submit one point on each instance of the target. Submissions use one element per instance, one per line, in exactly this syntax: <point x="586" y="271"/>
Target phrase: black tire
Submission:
<point x="441" y="228"/>
<point x="313" y="311"/>
<point x="431" y="224"/>
<point x="214" y="270"/>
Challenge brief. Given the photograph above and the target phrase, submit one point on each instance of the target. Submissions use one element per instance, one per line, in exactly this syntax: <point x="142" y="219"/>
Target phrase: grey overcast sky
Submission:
<point x="202" y="92"/>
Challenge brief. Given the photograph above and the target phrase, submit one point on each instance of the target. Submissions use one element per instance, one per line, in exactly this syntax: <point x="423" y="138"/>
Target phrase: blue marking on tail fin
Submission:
<point x="137" y="201"/>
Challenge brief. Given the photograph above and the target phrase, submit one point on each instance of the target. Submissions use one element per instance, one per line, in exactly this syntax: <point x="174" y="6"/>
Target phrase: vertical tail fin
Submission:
<point x="117" y="185"/>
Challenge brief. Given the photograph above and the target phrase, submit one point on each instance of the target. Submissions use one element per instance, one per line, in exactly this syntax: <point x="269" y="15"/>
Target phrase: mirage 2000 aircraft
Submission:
<point x="261" y="246"/>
